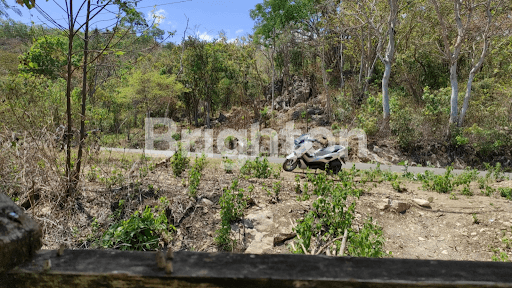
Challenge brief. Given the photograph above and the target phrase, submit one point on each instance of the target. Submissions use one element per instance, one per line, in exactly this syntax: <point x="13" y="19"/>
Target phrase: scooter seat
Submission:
<point x="328" y="150"/>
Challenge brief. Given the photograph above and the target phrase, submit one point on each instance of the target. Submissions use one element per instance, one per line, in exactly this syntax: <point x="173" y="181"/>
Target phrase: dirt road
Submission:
<point x="276" y="160"/>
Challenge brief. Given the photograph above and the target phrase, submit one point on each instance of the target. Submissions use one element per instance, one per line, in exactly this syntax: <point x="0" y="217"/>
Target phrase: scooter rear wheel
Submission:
<point x="289" y="165"/>
<point x="335" y="167"/>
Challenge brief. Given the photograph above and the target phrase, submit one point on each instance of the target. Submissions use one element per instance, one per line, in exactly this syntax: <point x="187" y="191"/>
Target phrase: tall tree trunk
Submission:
<point x="69" y="176"/>
<point x="273" y="71"/>
<point x="84" y="98"/>
<point x="455" y="93"/>
<point x="453" y="57"/>
<point x="388" y="59"/>
<point x="478" y="65"/>
<point x="326" y="88"/>
<point x="207" y="107"/>
<point x="361" y="66"/>
<point x="342" y="79"/>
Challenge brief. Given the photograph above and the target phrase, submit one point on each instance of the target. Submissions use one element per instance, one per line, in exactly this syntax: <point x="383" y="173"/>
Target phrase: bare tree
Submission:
<point x="452" y="51"/>
<point x="367" y="23"/>
<point x="489" y="23"/>
<point x="72" y="30"/>
<point x="389" y="57"/>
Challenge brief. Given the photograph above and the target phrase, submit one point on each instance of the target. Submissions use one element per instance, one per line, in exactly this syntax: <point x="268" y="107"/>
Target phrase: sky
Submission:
<point x="206" y="17"/>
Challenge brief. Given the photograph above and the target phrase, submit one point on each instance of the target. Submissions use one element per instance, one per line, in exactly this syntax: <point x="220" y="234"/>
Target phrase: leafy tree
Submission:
<point x="147" y="88"/>
<point x="47" y="57"/>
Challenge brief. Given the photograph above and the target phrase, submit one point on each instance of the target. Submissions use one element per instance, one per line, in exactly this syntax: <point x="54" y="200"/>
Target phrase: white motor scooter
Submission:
<point x="329" y="157"/>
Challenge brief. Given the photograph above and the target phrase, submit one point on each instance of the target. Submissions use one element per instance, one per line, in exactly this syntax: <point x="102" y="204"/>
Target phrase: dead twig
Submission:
<point x="302" y="245"/>
<point x="329" y="244"/>
<point x="343" y="243"/>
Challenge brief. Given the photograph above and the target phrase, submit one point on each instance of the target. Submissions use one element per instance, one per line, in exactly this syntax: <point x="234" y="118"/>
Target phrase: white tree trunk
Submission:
<point x="466" y="97"/>
<point x="326" y="88"/>
<point x="388" y="59"/>
<point x="478" y="65"/>
<point x="455" y="93"/>
<point x="342" y="79"/>
<point x="385" y="90"/>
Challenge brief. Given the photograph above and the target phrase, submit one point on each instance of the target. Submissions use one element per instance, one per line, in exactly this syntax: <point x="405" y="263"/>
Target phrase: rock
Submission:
<point x="422" y="203"/>
<point x="296" y="115"/>
<point x="458" y="164"/>
<point x="160" y="164"/>
<point x="445" y="252"/>
<point x="399" y="206"/>
<point x="384" y="204"/>
<point x="206" y="202"/>
<point x="248" y="224"/>
<point x="222" y="118"/>
<point x="421" y="239"/>
<point x="260" y="244"/>
<point x="281" y="238"/>
<point x="315" y="111"/>
<point x="376" y="149"/>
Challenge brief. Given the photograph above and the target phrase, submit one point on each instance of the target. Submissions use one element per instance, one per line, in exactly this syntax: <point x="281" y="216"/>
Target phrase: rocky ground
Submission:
<point x="455" y="227"/>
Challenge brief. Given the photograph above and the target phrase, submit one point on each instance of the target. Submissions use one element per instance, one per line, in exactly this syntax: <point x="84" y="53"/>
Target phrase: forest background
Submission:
<point x="413" y="72"/>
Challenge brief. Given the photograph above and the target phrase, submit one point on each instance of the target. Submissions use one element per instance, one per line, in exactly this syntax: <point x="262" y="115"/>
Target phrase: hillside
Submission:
<point x="416" y="87"/>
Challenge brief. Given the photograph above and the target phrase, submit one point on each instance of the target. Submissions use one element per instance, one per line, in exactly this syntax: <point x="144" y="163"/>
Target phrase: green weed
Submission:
<point x="194" y="175"/>
<point x="179" y="161"/>
<point x="368" y="242"/>
<point x="232" y="204"/>
<point x="142" y="231"/>
<point x="257" y="168"/>
<point x="505" y="192"/>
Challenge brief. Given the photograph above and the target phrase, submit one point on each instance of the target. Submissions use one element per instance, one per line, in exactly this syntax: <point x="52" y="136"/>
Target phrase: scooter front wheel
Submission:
<point x="289" y="165"/>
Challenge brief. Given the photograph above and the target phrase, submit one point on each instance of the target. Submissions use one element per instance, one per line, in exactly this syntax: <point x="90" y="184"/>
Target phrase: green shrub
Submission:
<point x="232" y="204"/>
<point x="176" y="136"/>
<point x="115" y="179"/>
<point x="140" y="232"/>
<point x="368" y="242"/>
<point x="506" y="192"/>
<point x="439" y="183"/>
<point x="305" y="229"/>
<point x="92" y="174"/>
<point x="228" y="164"/>
<point x="495" y="173"/>
<point x="466" y="191"/>
<point x="466" y="177"/>
<point x="331" y="214"/>
<point x="367" y="118"/>
<point x="257" y="168"/>
<point x="179" y="161"/>
<point x="396" y="185"/>
<point x="401" y="126"/>
<point x="488" y="191"/>
<point x="194" y="175"/>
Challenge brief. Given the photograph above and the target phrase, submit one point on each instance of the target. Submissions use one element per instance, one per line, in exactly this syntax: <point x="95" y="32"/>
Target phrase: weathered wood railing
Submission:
<point x="105" y="268"/>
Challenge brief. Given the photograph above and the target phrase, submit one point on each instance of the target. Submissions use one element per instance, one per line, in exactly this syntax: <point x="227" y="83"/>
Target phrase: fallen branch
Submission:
<point x="329" y="243"/>
<point x="343" y="243"/>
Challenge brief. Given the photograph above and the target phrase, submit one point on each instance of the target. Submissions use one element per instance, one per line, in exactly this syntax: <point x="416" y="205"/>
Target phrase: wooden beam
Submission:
<point x="112" y="268"/>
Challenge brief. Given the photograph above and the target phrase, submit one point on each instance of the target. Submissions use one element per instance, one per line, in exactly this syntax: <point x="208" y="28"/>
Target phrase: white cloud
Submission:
<point x="204" y="36"/>
<point x="157" y="16"/>
<point x="239" y="31"/>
